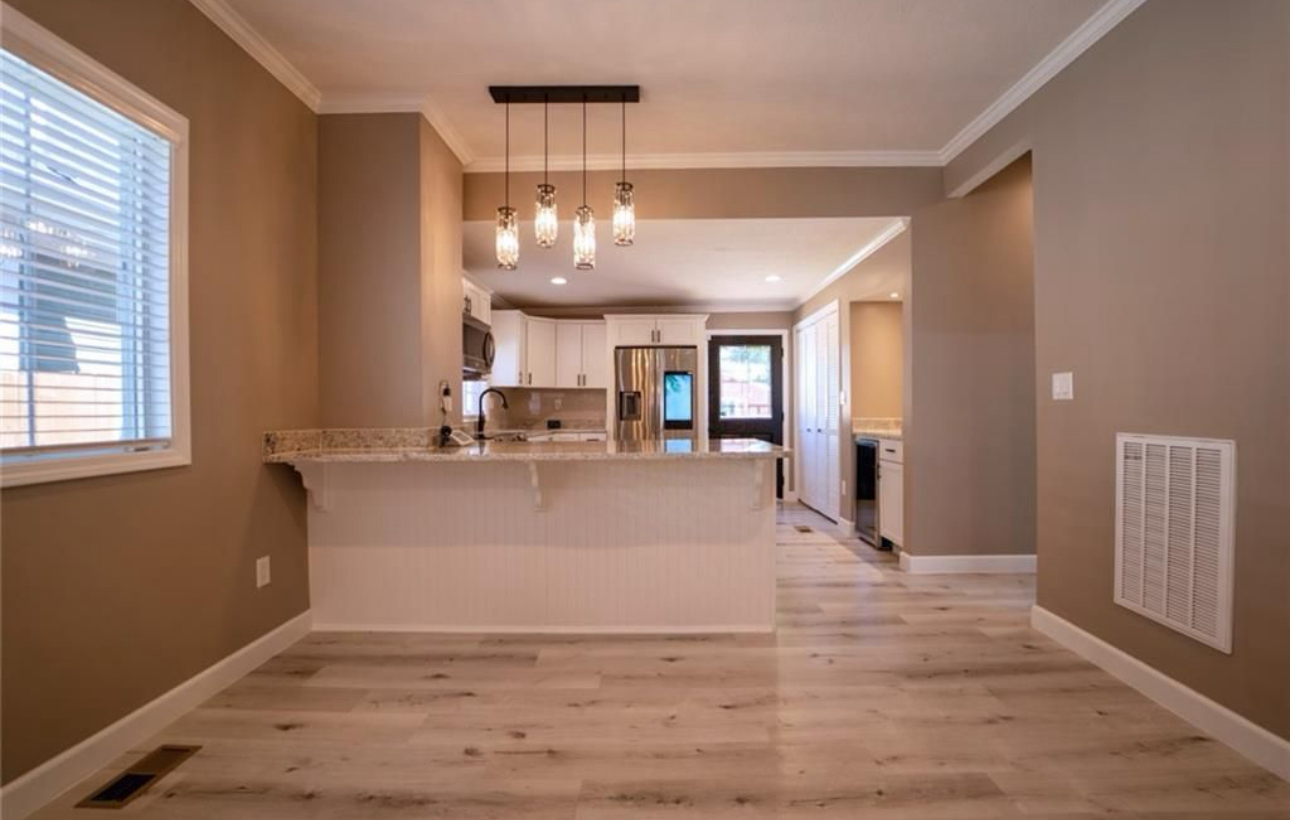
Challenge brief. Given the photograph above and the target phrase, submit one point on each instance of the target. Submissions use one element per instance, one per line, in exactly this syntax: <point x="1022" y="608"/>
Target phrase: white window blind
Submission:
<point x="85" y="270"/>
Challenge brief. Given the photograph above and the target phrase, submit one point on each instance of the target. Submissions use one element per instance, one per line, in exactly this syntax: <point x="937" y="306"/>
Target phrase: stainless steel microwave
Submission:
<point x="477" y="348"/>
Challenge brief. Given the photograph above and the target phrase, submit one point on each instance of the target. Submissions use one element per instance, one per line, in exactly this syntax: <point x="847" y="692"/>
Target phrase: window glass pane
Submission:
<point x="84" y="268"/>
<point x="470" y="392"/>
<point x="744" y="372"/>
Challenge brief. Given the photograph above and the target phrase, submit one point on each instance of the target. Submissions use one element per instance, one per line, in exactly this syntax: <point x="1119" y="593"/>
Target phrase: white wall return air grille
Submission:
<point x="1174" y="533"/>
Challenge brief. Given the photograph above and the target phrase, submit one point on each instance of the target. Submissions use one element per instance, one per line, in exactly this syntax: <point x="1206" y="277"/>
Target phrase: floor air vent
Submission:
<point x="136" y="780"/>
<point x="1174" y="526"/>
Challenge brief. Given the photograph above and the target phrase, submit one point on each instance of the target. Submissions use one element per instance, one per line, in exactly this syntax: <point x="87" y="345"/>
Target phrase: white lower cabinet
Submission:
<point x="891" y="499"/>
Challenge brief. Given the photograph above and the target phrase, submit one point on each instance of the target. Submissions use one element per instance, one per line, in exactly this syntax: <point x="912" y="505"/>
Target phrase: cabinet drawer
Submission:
<point x="889" y="450"/>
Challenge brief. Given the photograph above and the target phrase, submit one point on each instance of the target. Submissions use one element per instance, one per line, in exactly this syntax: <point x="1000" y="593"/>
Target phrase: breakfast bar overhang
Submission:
<point x="671" y="536"/>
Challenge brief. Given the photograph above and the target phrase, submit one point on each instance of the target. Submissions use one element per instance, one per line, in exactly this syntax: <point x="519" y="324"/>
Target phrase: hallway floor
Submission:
<point x="883" y="695"/>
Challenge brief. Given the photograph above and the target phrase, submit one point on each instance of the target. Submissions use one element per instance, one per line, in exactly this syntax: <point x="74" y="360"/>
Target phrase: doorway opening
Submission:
<point x="746" y="391"/>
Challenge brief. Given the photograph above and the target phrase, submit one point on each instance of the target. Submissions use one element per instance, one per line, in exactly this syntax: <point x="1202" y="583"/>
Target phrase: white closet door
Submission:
<point x="832" y="398"/>
<point x="810" y="479"/>
<point x="800" y="414"/>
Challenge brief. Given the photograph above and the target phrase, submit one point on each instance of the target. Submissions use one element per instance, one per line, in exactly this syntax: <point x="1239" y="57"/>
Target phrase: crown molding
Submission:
<point x="1079" y="41"/>
<point x="236" y="27"/>
<point x="400" y="103"/>
<point x="895" y="229"/>
<point x="1093" y="29"/>
<point x="766" y="159"/>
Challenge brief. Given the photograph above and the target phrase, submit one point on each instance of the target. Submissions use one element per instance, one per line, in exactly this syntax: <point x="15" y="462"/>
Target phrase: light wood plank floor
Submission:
<point x="882" y="696"/>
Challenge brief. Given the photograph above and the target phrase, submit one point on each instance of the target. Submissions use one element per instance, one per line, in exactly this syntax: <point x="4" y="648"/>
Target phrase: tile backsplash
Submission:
<point x="532" y="408"/>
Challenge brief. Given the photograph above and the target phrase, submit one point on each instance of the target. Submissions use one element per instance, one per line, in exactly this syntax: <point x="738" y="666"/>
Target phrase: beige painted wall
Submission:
<point x="733" y="193"/>
<point x="115" y="589"/>
<point x="970" y="463"/>
<point x="389" y="271"/>
<point x="1162" y="249"/>
<point x="441" y="267"/>
<point x="877" y="360"/>
<point x="369" y="270"/>
<point x="891" y="261"/>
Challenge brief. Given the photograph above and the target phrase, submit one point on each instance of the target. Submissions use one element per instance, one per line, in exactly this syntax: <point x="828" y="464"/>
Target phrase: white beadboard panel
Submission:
<point x="617" y="546"/>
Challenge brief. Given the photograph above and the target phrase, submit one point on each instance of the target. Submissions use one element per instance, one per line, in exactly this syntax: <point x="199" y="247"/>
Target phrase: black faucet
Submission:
<point x="479" y="422"/>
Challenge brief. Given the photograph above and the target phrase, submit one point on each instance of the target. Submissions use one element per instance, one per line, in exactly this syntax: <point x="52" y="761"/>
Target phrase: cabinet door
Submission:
<point x="539" y="352"/>
<point x="568" y="354"/>
<point x="508" y="338"/>
<point x="891" y="501"/>
<point x="595" y="355"/>
<point x="634" y="332"/>
<point x="679" y="331"/>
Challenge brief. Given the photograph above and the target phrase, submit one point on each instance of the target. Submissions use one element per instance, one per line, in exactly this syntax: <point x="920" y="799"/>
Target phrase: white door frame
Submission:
<point x="831" y="308"/>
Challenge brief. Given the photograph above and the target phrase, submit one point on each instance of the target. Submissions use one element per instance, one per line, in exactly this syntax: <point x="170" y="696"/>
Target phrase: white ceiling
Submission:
<point x="717" y="263"/>
<point x="797" y="80"/>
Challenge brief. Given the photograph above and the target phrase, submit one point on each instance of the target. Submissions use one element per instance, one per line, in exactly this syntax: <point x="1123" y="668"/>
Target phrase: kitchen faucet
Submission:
<point x="479" y="422"/>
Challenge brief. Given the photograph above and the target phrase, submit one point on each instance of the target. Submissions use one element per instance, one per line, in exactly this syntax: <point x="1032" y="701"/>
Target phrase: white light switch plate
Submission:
<point x="1063" y="386"/>
<point x="262" y="575"/>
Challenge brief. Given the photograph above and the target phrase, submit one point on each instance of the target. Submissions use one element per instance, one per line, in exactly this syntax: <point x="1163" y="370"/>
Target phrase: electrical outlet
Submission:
<point x="262" y="572"/>
<point x="844" y="487"/>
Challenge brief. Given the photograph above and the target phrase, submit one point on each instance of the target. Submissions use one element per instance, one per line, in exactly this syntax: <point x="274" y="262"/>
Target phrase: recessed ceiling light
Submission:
<point x="559" y="280"/>
<point x="894" y="294"/>
<point x="772" y="278"/>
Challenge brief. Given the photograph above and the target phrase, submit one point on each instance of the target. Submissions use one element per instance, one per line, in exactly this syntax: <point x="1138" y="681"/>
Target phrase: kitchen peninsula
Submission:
<point x="650" y="536"/>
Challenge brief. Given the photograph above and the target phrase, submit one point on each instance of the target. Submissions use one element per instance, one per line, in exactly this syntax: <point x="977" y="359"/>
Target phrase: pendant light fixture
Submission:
<point x="584" y="219"/>
<point x="624" y="199"/>
<point x="508" y="227"/>
<point x="546" y="223"/>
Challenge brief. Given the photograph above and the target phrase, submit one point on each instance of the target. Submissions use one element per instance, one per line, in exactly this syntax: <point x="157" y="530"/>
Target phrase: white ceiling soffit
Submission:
<point x="721" y="264"/>
<point x="1089" y="32"/>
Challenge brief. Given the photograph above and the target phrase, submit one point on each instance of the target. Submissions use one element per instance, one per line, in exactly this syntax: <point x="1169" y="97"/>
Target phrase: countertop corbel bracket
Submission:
<point x="313" y="475"/>
<point x="535" y="481"/>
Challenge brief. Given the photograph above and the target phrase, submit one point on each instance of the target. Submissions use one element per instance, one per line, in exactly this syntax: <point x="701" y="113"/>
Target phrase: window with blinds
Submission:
<point x="86" y="274"/>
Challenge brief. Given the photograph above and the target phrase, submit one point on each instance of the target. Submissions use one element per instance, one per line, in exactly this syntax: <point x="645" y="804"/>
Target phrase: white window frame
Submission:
<point x="38" y="46"/>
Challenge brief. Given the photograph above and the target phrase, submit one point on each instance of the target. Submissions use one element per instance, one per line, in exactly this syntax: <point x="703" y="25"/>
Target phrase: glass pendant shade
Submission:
<point x="508" y="239"/>
<point x="624" y="214"/>
<point x="546" y="224"/>
<point x="584" y="238"/>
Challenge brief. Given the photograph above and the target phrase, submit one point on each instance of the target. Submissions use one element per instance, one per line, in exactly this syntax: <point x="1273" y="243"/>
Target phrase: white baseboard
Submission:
<point x="1258" y="744"/>
<point x="548" y="630"/>
<point x="47" y="781"/>
<point x="960" y="564"/>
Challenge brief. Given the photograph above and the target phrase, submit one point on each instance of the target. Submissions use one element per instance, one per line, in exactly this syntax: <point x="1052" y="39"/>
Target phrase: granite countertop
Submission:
<point x="415" y="444"/>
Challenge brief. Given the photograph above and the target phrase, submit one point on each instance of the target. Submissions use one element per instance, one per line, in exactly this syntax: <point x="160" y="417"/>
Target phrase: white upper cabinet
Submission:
<point x="634" y="332"/>
<point x="476" y="301"/>
<point x="595" y="355"/>
<point x="673" y="330"/>
<point x="537" y="352"/>
<point x="684" y="330"/>
<point x="568" y="354"/>
<point x="539" y="346"/>
<point x="581" y="354"/>
<point x="510" y="367"/>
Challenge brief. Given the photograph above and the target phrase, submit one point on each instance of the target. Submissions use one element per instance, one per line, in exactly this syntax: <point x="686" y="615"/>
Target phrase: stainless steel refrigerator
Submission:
<point x="656" y="393"/>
